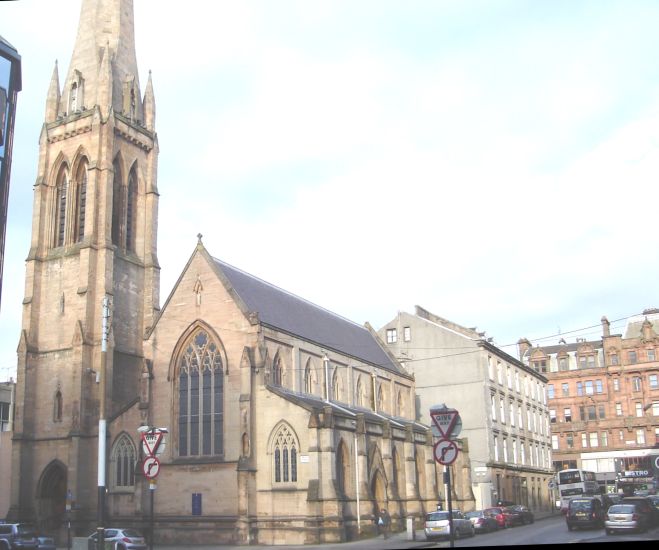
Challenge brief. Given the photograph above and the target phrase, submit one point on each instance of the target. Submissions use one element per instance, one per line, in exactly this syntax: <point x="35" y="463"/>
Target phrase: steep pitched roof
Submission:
<point x="284" y="311"/>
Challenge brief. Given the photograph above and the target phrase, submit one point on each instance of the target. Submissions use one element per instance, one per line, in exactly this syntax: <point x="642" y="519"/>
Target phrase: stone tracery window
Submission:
<point x="284" y="452"/>
<point x="122" y="463"/>
<point x="200" y="397"/>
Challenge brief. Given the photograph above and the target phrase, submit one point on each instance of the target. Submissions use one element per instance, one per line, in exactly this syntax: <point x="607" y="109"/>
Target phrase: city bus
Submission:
<point x="575" y="482"/>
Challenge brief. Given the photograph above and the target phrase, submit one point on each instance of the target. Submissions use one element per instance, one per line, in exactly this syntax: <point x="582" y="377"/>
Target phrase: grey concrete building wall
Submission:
<point x="458" y="366"/>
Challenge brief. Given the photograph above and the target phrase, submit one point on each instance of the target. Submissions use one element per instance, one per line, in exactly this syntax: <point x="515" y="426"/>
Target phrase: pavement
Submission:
<point x="395" y="540"/>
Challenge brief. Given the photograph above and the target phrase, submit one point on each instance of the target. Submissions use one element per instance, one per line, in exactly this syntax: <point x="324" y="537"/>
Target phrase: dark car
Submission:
<point x="20" y="536"/>
<point x="497" y="513"/>
<point x="513" y="516"/>
<point x="526" y="514"/>
<point x="482" y="522"/>
<point x="646" y="506"/>
<point x="585" y="512"/>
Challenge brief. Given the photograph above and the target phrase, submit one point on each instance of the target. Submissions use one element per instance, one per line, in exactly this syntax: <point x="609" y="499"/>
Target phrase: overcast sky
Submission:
<point x="496" y="162"/>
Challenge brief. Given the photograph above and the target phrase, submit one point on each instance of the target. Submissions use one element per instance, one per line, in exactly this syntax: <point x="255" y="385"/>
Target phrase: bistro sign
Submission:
<point x="637" y="473"/>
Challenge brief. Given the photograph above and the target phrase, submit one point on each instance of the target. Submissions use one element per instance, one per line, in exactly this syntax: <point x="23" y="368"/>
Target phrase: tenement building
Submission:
<point x="603" y="397"/>
<point x="501" y="401"/>
<point x="286" y="423"/>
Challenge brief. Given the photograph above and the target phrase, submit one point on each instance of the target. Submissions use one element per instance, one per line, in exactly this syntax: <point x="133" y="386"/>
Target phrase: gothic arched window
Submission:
<point x="117" y="203"/>
<point x="200" y="397"/>
<point x="277" y="372"/>
<point x="381" y="398"/>
<point x="309" y="378"/>
<point x="131" y="207"/>
<point x="122" y="463"/>
<point x="61" y="190"/>
<point x="336" y="386"/>
<point x="57" y="407"/>
<point x="73" y="98"/>
<point x="342" y="469"/>
<point x="81" y="199"/>
<point x="284" y="453"/>
<point x="359" y="393"/>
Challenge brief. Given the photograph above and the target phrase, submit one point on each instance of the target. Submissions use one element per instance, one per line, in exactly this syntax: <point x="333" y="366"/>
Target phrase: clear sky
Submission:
<point x="496" y="162"/>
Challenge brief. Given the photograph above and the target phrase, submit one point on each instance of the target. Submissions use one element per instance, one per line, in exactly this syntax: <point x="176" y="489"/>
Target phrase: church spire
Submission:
<point x="52" y="101"/>
<point x="149" y="106"/>
<point x="106" y="34"/>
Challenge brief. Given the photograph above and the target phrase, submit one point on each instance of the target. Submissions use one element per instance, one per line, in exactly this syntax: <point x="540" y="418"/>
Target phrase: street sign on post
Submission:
<point x="153" y="440"/>
<point x="151" y="467"/>
<point x="445" y="451"/>
<point x="445" y="420"/>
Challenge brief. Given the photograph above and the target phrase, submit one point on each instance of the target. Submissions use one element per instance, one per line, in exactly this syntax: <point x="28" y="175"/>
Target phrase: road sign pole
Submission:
<point x="152" y="490"/>
<point x="450" y="505"/>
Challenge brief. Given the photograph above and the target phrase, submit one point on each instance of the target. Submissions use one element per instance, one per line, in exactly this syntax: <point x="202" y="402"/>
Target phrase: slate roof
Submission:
<point x="315" y="402"/>
<point x="284" y="311"/>
<point x="570" y="347"/>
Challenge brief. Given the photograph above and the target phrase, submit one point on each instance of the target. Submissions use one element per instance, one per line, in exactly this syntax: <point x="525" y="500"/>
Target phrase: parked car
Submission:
<point x="497" y="513"/>
<point x="626" y="517"/>
<point x="585" y="512"/>
<point x="46" y="543"/>
<point x="437" y="525"/>
<point x="646" y="506"/>
<point x="482" y="522"/>
<point x="513" y="516"/>
<point x="124" y="539"/>
<point x="525" y="514"/>
<point x="19" y="536"/>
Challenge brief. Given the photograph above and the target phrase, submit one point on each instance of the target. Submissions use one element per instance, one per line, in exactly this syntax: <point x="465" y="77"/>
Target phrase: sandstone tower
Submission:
<point x="93" y="235"/>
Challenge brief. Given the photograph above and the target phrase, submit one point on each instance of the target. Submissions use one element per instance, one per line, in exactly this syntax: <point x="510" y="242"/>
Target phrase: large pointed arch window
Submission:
<point x="284" y="453"/>
<point x="122" y="463"/>
<point x="200" y="397"/>
<point x="81" y="199"/>
<point x="61" y="190"/>
<point x="131" y="204"/>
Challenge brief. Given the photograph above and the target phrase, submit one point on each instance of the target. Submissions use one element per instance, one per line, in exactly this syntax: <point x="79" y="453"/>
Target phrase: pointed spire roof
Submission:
<point x="149" y="105"/>
<point x="52" y="101"/>
<point x="103" y="23"/>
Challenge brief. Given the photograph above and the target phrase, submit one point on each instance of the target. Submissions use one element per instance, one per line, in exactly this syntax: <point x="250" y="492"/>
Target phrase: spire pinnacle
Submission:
<point x="53" y="97"/>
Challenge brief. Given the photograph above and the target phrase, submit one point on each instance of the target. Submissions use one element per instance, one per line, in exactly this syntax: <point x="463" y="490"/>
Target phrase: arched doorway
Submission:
<point x="51" y="498"/>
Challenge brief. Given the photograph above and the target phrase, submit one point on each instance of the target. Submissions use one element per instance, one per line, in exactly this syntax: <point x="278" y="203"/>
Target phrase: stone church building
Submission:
<point x="287" y="423"/>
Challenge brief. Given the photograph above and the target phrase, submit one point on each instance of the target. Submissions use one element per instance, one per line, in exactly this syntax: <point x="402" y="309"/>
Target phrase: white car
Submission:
<point x="437" y="525"/>
<point x="121" y="539"/>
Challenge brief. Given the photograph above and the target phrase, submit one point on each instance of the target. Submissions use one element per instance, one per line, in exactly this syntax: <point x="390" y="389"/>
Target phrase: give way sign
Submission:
<point x="444" y="419"/>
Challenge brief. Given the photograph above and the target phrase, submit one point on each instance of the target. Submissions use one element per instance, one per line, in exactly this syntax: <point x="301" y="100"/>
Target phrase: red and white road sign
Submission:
<point x="150" y="467"/>
<point x="153" y="442"/>
<point x="445" y="451"/>
<point x="445" y="420"/>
